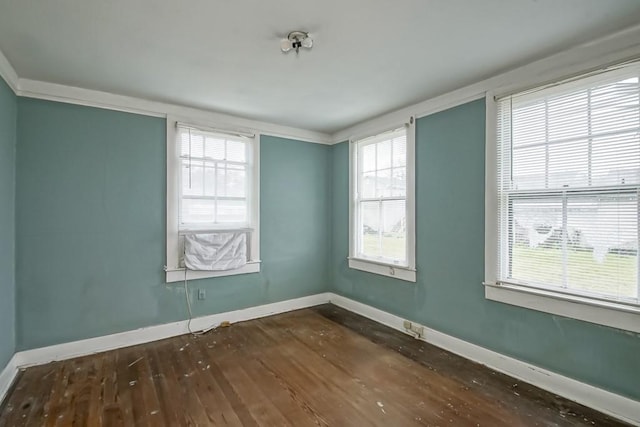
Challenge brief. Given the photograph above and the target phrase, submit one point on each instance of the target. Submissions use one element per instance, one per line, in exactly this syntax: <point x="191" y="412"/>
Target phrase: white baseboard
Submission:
<point x="621" y="407"/>
<point x="40" y="356"/>
<point x="7" y="376"/>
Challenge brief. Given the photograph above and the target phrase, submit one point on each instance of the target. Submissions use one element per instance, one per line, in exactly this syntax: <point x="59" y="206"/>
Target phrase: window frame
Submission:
<point x="174" y="272"/>
<point x="402" y="272"/>
<point x="584" y="307"/>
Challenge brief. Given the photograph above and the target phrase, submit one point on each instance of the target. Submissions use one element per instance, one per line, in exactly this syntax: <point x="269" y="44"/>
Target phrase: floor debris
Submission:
<point x="135" y="361"/>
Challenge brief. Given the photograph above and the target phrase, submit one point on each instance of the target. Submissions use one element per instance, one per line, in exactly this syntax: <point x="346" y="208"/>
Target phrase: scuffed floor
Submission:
<point x="319" y="366"/>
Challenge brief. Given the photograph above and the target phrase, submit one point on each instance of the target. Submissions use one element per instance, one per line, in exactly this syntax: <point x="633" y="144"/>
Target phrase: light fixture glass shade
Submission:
<point x="285" y="45"/>
<point x="308" y="42"/>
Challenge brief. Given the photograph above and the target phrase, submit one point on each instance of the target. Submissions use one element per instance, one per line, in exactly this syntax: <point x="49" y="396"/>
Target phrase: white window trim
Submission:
<point x="406" y="273"/>
<point x="607" y="313"/>
<point x="174" y="272"/>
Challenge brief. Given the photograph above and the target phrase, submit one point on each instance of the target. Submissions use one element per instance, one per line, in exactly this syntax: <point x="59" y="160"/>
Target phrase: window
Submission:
<point x="568" y="177"/>
<point x="382" y="208"/>
<point x="214" y="172"/>
<point x="212" y="186"/>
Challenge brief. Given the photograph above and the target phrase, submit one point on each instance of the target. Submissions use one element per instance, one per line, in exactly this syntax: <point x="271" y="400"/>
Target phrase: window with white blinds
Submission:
<point x="382" y="194"/>
<point x="568" y="169"/>
<point x="213" y="186"/>
<point x="214" y="179"/>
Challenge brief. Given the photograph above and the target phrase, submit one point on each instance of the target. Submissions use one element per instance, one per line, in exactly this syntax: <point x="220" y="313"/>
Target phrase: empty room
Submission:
<point x="319" y="213"/>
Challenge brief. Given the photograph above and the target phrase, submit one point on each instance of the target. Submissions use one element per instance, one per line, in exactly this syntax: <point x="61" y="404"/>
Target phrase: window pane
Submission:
<point x="614" y="107"/>
<point x="399" y="151"/>
<point x="594" y="250"/>
<point x="383" y="183"/>
<point x="394" y="231"/>
<point x="529" y="167"/>
<point x="235" y="181"/>
<point x="214" y="148"/>
<point x="587" y="137"/>
<point x="221" y="181"/>
<point x="368" y="185"/>
<point x="210" y="181"/>
<point x="616" y="159"/>
<point x="370" y="229"/>
<point x="383" y="230"/>
<point x="603" y="244"/>
<point x="399" y="182"/>
<point x="568" y="164"/>
<point x="197" y="211"/>
<point x="368" y="157"/>
<point x="536" y="233"/>
<point x="184" y="143"/>
<point x="568" y="115"/>
<point x="384" y="155"/>
<point x="232" y="211"/>
<point x="192" y="178"/>
<point x="195" y="148"/>
<point x="236" y="151"/>
<point x="528" y="123"/>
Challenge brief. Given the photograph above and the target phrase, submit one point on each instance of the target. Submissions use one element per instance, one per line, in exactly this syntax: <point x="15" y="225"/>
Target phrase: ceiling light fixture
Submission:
<point x="296" y="40"/>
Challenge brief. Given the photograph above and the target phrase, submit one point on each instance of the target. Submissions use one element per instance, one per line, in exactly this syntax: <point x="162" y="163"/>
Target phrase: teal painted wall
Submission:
<point x="8" y="117"/>
<point x="91" y="226"/>
<point x="448" y="295"/>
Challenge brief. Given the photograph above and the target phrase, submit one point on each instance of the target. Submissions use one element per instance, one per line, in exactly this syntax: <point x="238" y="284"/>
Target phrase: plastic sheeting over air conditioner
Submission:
<point x="217" y="251"/>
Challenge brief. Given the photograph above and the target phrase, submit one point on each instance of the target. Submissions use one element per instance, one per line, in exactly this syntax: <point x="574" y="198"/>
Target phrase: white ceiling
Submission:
<point x="369" y="56"/>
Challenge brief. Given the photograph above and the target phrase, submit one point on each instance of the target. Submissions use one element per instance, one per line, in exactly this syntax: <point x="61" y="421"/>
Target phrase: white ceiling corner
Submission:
<point x="369" y="57"/>
<point x="8" y="73"/>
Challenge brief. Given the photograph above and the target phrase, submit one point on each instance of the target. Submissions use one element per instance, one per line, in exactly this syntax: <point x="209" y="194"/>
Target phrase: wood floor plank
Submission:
<point x="224" y="412"/>
<point x="124" y="408"/>
<point x="194" y="412"/>
<point x="322" y="366"/>
<point x="169" y="407"/>
<point x="215" y="405"/>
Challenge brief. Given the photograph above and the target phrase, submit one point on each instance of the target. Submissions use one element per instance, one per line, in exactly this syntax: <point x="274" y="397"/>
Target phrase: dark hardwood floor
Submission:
<point x="320" y="366"/>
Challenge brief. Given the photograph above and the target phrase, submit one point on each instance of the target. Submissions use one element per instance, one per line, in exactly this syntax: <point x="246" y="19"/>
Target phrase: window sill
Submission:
<point x="389" y="270"/>
<point x="620" y="316"/>
<point x="177" y="275"/>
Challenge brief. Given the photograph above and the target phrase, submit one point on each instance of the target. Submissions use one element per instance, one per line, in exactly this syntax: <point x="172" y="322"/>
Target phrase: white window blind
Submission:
<point x="568" y="181"/>
<point x="214" y="179"/>
<point x="381" y="198"/>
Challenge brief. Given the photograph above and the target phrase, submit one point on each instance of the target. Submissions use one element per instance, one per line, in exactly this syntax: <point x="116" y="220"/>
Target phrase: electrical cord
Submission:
<point x="186" y="297"/>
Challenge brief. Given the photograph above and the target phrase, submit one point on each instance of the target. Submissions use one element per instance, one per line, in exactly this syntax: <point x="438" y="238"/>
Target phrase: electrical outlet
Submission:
<point x="202" y="294"/>
<point x="419" y="330"/>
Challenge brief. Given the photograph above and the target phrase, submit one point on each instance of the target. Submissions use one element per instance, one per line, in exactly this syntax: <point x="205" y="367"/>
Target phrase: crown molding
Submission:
<point x="617" y="47"/>
<point x="93" y="98"/>
<point x="8" y="73"/>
